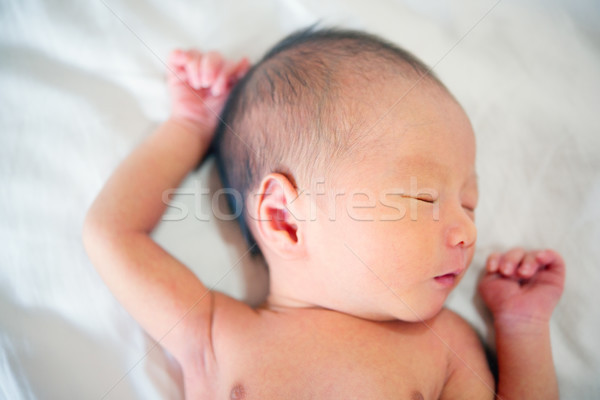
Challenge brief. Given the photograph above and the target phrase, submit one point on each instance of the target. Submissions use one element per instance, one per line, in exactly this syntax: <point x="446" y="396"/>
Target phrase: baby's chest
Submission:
<point x="321" y="364"/>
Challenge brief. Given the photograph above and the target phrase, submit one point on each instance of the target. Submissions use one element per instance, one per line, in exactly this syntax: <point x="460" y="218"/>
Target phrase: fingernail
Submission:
<point x="507" y="267"/>
<point x="543" y="254"/>
<point x="493" y="265"/>
<point x="206" y="79"/>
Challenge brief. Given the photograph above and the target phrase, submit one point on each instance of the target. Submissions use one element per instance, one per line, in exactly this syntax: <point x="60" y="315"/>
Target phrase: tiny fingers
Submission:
<point x="200" y="69"/>
<point x="546" y="256"/>
<point x="545" y="267"/>
<point x="177" y="57"/>
<point x="241" y="68"/>
<point x="192" y="68"/>
<point x="222" y="81"/>
<point x="510" y="261"/>
<point x="229" y="75"/>
<point x="529" y="265"/>
<point x="206" y="70"/>
<point x="210" y="67"/>
<point x="176" y="67"/>
<point x="492" y="263"/>
<point x="552" y="261"/>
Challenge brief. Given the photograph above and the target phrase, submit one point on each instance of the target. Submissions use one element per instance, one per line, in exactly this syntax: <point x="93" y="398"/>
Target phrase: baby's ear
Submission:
<point x="278" y="216"/>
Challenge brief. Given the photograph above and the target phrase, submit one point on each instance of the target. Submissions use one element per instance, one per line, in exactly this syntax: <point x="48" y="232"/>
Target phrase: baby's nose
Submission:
<point x="462" y="232"/>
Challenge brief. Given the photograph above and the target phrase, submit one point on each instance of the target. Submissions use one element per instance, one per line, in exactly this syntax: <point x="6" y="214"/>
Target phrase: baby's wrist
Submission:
<point x="191" y="126"/>
<point x="517" y="325"/>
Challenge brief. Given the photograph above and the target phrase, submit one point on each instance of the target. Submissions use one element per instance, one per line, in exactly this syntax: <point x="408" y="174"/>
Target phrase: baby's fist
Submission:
<point x="200" y="83"/>
<point x="523" y="286"/>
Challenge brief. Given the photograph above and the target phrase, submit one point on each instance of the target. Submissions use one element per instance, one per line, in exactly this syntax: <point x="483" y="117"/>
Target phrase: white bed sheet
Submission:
<point x="82" y="83"/>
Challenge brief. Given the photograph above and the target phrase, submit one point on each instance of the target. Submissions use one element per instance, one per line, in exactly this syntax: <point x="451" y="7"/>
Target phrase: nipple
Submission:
<point x="416" y="396"/>
<point x="238" y="392"/>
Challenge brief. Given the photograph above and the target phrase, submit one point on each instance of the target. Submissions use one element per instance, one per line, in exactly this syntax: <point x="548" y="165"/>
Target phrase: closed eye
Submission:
<point x="426" y="199"/>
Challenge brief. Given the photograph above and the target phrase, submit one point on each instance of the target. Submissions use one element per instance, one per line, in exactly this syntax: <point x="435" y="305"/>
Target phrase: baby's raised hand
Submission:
<point x="523" y="286"/>
<point x="199" y="84"/>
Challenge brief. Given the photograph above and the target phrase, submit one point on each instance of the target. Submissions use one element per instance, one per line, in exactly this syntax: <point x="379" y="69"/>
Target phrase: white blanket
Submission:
<point x="82" y="83"/>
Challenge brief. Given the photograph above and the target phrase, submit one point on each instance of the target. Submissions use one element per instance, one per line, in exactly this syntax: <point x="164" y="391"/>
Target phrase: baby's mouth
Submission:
<point x="446" y="280"/>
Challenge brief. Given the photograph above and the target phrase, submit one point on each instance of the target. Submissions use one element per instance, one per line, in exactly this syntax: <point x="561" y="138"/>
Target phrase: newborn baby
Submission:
<point x="353" y="173"/>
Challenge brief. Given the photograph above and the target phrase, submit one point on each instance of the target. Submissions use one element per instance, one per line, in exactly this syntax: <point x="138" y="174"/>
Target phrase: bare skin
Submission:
<point x="324" y="354"/>
<point x="311" y="340"/>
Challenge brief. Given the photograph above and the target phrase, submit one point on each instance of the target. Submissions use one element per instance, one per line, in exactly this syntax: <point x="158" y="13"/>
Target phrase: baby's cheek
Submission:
<point x="391" y="208"/>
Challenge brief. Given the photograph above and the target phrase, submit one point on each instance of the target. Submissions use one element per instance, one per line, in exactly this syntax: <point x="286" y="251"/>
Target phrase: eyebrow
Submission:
<point x="417" y="161"/>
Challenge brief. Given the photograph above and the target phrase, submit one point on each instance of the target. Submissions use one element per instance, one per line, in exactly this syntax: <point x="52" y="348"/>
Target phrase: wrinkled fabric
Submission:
<point x="82" y="84"/>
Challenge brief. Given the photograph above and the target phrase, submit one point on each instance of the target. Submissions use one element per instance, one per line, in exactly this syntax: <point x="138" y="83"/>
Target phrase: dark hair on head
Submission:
<point x="287" y="114"/>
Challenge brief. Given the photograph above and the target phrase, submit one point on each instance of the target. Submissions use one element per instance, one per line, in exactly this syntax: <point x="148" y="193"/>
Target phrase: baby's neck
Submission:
<point x="278" y="302"/>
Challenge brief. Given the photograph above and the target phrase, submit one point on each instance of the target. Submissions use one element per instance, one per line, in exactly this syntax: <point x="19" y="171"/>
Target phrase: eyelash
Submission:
<point x="432" y="201"/>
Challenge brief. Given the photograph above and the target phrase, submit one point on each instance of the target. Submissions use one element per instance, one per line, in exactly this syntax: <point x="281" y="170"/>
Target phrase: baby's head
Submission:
<point x="355" y="170"/>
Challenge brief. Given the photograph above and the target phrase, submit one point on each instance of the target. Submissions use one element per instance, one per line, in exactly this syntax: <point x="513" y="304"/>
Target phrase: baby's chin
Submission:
<point x="400" y="312"/>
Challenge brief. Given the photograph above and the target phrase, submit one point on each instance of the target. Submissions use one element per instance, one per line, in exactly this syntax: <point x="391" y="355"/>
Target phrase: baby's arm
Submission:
<point x="521" y="289"/>
<point x="164" y="296"/>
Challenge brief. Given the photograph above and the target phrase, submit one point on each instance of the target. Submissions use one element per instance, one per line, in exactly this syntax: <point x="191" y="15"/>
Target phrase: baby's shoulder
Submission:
<point x="452" y="322"/>
<point x="229" y="318"/>
<point x="455" y="331"/>
<point x="468" y="371"/>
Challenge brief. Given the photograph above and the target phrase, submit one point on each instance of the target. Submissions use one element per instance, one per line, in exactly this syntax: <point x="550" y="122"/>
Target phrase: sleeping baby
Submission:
<point x="353" y="170"/>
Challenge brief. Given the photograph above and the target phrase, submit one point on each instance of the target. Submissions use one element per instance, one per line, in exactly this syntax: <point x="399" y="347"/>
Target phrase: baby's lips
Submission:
<point x="455" y="272"/>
